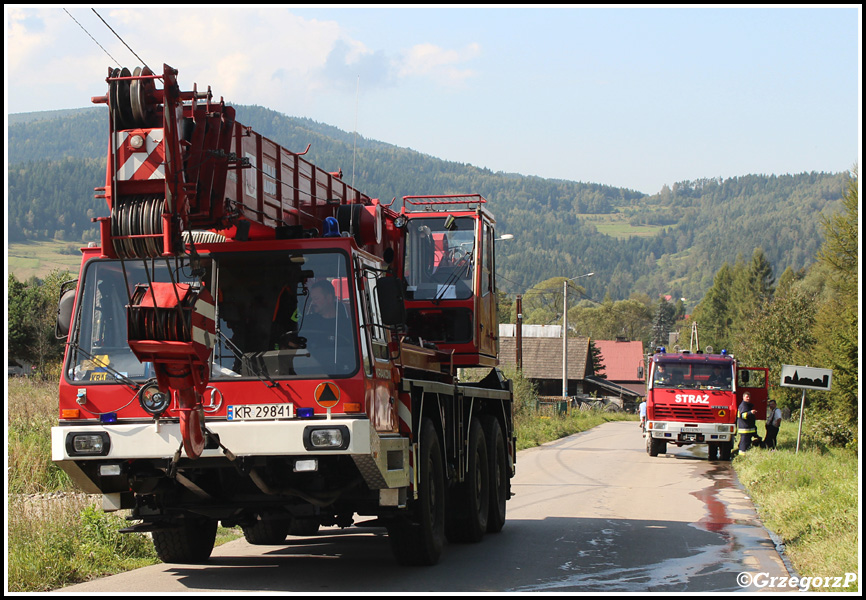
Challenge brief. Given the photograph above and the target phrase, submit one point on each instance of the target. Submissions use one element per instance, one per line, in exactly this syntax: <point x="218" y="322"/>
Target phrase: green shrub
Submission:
<point x="827" y="429"/>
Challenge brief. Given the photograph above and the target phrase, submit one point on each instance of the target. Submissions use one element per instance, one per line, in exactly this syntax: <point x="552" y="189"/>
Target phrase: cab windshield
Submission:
<point x="440" y="256"/>
<point x="279" y="314"/>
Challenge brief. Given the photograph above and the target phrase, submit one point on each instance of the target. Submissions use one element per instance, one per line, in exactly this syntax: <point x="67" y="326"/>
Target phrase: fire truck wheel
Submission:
<point x="268" y="531"/>
<point x="470" y="501"/>
<point x="654" y="446"/>
<point x="190" y="542"/>
<point x="498" y="461"/>
<point x="725" y="449"/>
<point x="420" y="541"/>
<point x="713" y="451"/>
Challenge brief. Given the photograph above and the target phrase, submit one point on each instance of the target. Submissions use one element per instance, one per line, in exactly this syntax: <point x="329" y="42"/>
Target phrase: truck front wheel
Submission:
<point x="419" y="541"/>
<point x="655" y="446"/>
<point x="190" y="541"/>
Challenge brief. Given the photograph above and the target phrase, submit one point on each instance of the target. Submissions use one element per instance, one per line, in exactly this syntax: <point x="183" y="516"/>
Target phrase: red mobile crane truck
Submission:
<point x="202" y="385"/>
<point x="692" y="398"/>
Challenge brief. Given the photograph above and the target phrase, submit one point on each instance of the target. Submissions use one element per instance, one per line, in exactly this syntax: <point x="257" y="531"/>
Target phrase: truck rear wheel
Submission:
<point x="420" y="541"/>
<point x="499" y="474"/>
<point x="190" y="541"/>
<point x="267" y="531"/>
<point x="469" y="502"/>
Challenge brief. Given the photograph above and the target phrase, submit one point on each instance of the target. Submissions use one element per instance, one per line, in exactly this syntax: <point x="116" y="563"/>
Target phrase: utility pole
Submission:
<point x="519" y="332"/>
<point x="565" y="332"/>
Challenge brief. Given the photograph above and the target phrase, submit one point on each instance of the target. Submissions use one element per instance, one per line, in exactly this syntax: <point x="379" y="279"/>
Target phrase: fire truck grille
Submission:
<point x="684" y="413"/>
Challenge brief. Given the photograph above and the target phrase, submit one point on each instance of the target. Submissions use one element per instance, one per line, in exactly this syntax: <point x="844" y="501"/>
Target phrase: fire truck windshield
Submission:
<point x="440" y="256"/>
<point x="279" y="314"/>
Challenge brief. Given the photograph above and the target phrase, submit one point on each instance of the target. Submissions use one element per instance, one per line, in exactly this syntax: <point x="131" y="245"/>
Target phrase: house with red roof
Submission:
<point x="623" y="364"/>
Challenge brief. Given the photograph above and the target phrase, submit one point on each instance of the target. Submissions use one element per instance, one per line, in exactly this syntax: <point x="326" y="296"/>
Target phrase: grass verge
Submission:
<point x="810" y="500"/>
<point x="55" y="541"/>
<point x="534" y="429"/>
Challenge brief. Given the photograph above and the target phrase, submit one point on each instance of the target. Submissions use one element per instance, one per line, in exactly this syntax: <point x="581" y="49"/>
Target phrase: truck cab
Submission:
<point x="692" y="398"/>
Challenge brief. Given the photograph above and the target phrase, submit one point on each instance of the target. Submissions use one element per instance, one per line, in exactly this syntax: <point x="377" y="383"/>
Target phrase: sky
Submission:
<point x="624" y="96"/>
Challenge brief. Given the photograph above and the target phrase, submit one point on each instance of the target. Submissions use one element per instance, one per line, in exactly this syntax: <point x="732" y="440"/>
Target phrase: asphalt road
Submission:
<point x="592" y="513"/>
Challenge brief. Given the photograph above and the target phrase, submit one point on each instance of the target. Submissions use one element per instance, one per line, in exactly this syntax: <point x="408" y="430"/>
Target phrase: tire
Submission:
<point x="654" y="446"/>
<point x="190" y="542"/>
<point x="267" y="531"/>
<point x="713" y="451"/>
<point x="419" y="541"/>
<point x="499" y="474"/>
<point x="725" y="450"/>
<point x="469" y="502"/>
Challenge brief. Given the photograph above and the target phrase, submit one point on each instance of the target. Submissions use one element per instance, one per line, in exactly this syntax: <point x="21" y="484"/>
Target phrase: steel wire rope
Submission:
<point x="116" y="62"/>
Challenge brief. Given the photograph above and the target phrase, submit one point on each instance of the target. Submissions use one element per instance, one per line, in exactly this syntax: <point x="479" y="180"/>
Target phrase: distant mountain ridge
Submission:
<point x="57" y="158"/>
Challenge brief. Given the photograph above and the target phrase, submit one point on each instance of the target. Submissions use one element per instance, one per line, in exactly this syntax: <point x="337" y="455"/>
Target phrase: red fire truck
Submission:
<point x="692" y="398"/>
<point x="256" y="343"/>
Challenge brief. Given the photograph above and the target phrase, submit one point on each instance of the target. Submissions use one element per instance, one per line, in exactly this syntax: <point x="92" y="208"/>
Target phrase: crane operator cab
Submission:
<point x="449" y="272"/>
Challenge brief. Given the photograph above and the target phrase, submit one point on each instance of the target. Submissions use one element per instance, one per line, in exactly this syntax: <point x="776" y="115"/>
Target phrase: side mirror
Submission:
<point x="389" y="294"/>
<point x="64" y="309"/>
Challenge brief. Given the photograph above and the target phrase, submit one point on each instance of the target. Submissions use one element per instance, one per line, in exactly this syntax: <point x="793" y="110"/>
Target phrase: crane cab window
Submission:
<point x="440" y="258"/>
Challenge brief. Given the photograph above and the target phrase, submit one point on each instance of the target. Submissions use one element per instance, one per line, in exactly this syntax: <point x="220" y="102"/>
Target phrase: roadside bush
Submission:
<point x="827" y="429"/>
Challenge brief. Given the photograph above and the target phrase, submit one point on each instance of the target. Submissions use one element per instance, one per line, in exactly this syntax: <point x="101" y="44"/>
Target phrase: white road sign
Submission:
<point x="808" y="378"/>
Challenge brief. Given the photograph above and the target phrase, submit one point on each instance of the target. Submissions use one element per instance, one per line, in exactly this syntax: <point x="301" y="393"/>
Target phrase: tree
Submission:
<point x="663" y="323"/>
<point x="542" y="304"/>
<point x="32" y="315"/>
<point x="596" y="361"/>
<point x="780" y="334"/>
<point x="836" y="330"/>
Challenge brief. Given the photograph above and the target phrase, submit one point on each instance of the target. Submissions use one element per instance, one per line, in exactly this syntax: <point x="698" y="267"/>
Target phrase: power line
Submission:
<point x="116" y="62"/>
<point x="120" y="38"/>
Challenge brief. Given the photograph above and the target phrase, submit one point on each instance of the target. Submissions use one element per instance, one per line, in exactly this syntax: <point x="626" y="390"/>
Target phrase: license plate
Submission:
<point x="260" y="412"/>
<point x="690" y="430"/>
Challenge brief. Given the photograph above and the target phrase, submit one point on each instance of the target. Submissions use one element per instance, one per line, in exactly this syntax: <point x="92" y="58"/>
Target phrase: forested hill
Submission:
<point x="57" y="158"/>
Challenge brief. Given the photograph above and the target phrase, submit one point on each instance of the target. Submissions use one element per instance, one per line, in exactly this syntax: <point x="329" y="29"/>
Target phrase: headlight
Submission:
<point x="326" y="438"/>
<point x="88" y="444"/>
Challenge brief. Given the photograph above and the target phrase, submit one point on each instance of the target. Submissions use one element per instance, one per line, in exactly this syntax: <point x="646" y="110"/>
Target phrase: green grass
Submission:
<point x="810" y="500"/>
<point x="39" y="258"/>
<point x="53" y="543"/>
<point x="617" y="225"/>
<point x="534" y="429"/>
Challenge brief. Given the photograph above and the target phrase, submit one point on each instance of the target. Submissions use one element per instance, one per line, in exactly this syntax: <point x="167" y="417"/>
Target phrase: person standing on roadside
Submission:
<point x="642" y="411"/>
<point x="774" y="421"/>
<point x="746" y="422"/>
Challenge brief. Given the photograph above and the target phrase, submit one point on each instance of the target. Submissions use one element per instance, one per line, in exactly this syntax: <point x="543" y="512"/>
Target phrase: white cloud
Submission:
<point x="248" y="54"/>
<point x="438" y="63"/>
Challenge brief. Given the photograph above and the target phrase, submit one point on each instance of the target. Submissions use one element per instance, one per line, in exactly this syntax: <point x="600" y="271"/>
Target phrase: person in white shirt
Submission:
<point x="774" y="420"/>
<point x="642" y="411"/>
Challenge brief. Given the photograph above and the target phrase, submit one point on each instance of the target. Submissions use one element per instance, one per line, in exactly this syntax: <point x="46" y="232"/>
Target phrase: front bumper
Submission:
<point x="248" y="438"/>
<point x="691" y="433"/>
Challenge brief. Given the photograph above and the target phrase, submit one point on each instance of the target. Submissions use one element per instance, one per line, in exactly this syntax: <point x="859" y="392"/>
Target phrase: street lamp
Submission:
<point x="565" y="332"/>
